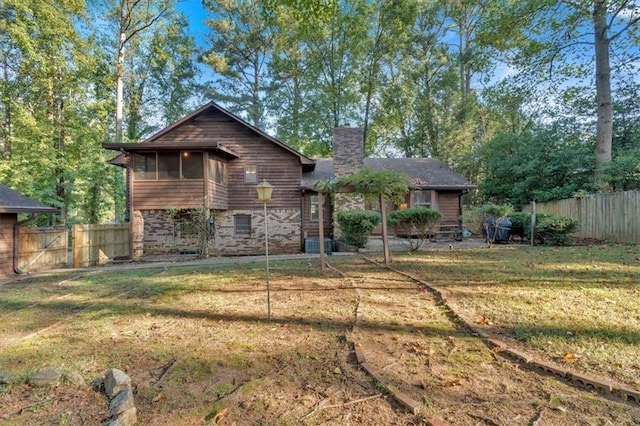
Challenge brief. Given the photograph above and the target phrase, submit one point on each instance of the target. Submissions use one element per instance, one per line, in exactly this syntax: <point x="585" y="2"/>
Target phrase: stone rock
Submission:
<point x="6" y="378"/>
<point x="128" y="417"/>
<point x="74" y="378"/>
<point x="115" y="381"/>
<point x="122" y="402"/>
<point x="46" y="377"/>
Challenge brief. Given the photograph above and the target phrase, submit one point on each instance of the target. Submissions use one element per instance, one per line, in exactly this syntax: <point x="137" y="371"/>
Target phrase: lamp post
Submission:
<point x="264" y="190"/>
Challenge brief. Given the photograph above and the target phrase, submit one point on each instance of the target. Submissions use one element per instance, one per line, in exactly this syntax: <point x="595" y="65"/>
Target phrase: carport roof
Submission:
<point x="14" y="202"/>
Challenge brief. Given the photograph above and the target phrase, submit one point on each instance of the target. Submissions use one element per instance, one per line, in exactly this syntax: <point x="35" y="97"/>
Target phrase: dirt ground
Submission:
<point x="203" y="352"/>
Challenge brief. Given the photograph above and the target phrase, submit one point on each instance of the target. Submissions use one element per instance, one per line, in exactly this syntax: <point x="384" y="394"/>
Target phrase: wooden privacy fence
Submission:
<point x="97" y="244"/>
<point x="613" y="217"/>
<point x="42" y="248"/>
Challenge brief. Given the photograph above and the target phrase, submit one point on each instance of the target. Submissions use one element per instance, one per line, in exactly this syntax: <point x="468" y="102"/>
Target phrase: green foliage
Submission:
<point x="473" y="220"/>
<point x="550" y="229"/>
<point x="553" y="230"/>
<point x="356" y="226"/>
<point x="392" y="185"/>
<point x="416" y="222"/>
<point x="542" y="164"/>
<point x="520" y="224"/>
<point x="623" y="172"/>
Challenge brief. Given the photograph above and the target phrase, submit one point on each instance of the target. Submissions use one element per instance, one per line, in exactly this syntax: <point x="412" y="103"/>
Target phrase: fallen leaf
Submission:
<point x="220" y="416"/>
<point x="570" y="357"/>
<point x="484" y="320"/>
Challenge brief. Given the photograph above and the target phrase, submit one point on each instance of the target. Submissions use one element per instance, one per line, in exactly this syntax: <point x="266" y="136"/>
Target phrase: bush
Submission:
<point x="550" y="229"/>
<point x="520" y="224"/>
<point x="356" y="226"/>
<point x="553" y="230"/>
<point x="415" y="222"/>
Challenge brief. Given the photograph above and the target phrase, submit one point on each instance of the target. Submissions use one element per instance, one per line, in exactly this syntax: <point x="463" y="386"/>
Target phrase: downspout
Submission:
<point x="16" y="238"/>
<point x="302" y="220"/>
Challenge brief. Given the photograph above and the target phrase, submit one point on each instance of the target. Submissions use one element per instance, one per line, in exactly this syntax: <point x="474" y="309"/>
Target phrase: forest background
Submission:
<point x="535" y="99"/>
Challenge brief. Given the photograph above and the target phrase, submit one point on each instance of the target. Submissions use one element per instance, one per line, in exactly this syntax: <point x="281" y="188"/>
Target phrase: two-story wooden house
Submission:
<point x="212" y="160"/>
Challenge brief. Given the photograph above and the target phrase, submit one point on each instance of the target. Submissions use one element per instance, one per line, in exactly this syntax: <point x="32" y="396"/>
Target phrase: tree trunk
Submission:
<point x="604" y="124"/>
<point x="120" y="86"/>
<point x="385" y="237"/>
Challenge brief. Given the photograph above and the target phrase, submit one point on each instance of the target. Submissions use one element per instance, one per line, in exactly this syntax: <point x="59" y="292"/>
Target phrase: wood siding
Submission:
<point x="218" y="196"/>
<point x="281" y="168"/>
<point x="310" y="228"/>
<point x="449" y="206"/>
<point x="7" y="221"/>
<point x="164" y="194"/>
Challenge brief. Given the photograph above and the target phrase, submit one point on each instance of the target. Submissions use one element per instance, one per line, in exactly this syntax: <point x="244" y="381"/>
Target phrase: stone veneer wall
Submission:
<point x="284" y="232"/>
<point x="160" y="235"/>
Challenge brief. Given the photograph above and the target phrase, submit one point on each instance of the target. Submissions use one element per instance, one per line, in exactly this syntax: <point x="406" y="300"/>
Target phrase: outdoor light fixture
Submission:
<point x="264" y="190"/>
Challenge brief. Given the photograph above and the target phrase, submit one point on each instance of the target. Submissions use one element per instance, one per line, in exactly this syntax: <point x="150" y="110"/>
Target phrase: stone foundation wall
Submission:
<point x="162" y="235"/>
<point x="284" y="232"/>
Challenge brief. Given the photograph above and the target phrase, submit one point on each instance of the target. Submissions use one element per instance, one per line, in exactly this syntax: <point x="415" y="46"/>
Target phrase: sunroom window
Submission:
<point x="168" y="165"/>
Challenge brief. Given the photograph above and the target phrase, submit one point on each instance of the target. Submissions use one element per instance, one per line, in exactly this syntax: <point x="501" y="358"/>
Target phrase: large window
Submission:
<point x="422" y="198"/>
<point x="144" y="166"/>
<point x="242" y="224"/>
<point x="191" y="165"/>
<point x="167" y="165"/>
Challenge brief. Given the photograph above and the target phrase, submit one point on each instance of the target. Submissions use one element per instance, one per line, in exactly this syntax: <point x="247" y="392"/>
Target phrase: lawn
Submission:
<point x="198" y="346"/>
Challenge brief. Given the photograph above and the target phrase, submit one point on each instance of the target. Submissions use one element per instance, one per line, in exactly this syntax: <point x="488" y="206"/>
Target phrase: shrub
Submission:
<point x="553" y="230"/>
<point x="356" y="226"/>
<point x="520" y="224"/>
<point x="416" y="222"/>
<point x="550" y="229"/>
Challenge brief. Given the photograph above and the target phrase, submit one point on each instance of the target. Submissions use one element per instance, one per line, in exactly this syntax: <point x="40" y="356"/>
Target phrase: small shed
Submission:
<point x="11" y="204"/>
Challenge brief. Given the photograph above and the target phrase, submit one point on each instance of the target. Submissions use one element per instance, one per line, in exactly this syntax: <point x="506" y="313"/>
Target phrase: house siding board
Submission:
<point x="449" y="206"/>
<point x="218" y="196"/>
<point x="164" y="194"/>
<point x="7" y="222"/>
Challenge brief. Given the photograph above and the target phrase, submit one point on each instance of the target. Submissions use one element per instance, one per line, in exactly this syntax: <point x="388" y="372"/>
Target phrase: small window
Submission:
<point x="242" y="224"/>
<point x="422" y="198"/>
<point x="218" y="171"/>
<point x="314" y="214"/>
<point x="250" y="173"/>
<point x="191" y="165"/>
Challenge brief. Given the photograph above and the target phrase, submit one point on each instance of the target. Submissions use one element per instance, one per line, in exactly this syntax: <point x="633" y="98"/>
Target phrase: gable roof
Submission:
<point x="14" y="202"/>
<point x="424" y="173"/>
<point x="304" y="160"/>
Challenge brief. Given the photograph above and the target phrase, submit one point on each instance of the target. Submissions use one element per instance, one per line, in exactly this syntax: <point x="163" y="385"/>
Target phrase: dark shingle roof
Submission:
<point x="14" y="202"/>
<point x="424" y="173"/>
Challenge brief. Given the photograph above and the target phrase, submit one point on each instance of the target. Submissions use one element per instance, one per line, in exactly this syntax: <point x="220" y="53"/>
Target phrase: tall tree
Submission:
<point x="241" y="42"/>
<point x="554" y="40"/>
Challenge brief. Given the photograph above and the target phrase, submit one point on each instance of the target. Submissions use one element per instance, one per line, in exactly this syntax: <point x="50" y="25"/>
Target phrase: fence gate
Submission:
<point x="42" y="248"/>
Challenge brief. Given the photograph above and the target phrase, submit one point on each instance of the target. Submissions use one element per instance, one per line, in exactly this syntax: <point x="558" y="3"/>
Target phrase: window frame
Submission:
<point x="239" y="229"/>
<point x="427" y="204"/>
<point x="247" y="173"/>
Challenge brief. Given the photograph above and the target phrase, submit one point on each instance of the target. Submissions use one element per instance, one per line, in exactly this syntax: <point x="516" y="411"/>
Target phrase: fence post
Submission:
<point x="533" y="221"/>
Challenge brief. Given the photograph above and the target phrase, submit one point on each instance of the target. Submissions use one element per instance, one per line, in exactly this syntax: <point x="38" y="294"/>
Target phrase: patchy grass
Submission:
<point x="199" y="348"/>
<point x="575" y="305"/>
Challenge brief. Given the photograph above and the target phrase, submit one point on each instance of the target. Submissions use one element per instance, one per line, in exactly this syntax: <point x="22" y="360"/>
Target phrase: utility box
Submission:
<point x="312" y="246"/>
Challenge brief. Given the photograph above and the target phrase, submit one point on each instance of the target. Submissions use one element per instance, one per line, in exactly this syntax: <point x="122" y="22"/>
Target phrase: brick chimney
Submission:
<point x="348" y="159"/>
<point x="348" y="150"/>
